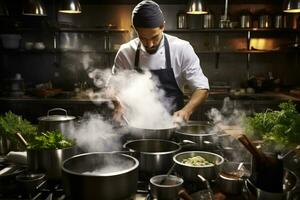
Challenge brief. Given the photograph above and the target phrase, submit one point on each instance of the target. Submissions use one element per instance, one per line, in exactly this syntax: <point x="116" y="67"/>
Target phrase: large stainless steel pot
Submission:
<point x="49" y="161"/>
<point x="155" y="155"/>
<point x="190" y="173"/>
<point x="63" y="123"/>
<point x="145" y="133"/>
<point x="107" y="176"/>
<point x="202" y="133"/>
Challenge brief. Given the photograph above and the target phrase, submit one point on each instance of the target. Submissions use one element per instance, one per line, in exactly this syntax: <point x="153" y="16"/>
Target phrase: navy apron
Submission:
<point x="166" y="78"/>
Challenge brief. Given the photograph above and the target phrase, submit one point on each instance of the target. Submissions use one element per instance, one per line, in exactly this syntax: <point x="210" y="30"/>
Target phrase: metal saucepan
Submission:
<point x="202" y="133"/>
<point x="8" y="173"/>
<point x="289" y="185"/>
<point x="170" y="189"/>
<point x="63" y="123"/>
<point x="190" y="173"/>
<point x="155" y="155"/>
<point x="147" y="133"/>
<point x="99" y="175"/>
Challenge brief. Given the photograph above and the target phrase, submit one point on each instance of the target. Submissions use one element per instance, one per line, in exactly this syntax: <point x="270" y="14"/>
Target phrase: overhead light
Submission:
<point x="34" y="8"/>
<point x="70" y="7"/>
<point x="292" y="6"/>
<point x="197" y="7"/>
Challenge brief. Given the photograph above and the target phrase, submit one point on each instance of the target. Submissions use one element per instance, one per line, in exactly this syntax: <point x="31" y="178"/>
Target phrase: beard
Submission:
<point x="152" y="50"/>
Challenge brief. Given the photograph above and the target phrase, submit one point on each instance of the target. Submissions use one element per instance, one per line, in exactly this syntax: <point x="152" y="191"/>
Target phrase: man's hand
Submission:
<point x="118" y="112"/>
<point x="182" y="116"/>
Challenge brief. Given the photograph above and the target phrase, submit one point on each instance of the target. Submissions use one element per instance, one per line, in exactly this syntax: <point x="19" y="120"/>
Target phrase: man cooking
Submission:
<point x="171" y="60"/>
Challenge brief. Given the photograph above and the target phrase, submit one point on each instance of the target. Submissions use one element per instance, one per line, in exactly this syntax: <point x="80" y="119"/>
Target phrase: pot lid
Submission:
<point x="51" y="118"/>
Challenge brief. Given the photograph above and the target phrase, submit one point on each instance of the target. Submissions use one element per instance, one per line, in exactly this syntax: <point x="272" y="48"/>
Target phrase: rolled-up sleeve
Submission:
<point x="191" y="69"/>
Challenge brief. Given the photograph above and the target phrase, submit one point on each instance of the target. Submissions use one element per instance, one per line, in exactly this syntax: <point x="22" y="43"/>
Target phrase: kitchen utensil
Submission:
<point x="267" y="170"/>
<point x="64" y="123"/>
<point x="279" y="21"/>
<point x="208" y="20"/>
<point x="98" y="175"/>
<point x="201" y="133"/>
<point x="164" y="180"/>
<point x="154" y="155"/>
<point x="28" y="182"/>
<point x="181" y="20"/>
<point x="190" y="173"/>
<point x="209" y="192"/>
<point x="230" y="178"/>
<point x="154" y="133"/>
<point x="246" y="20"/>
<point x="290" y="181"/>
<point x="48" y="161"/>
<point x="265" y="21"/>
<point x="171" y="189"/>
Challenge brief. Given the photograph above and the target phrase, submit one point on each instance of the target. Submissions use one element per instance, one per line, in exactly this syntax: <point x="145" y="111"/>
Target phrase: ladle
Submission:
<point x="166" y="178"/>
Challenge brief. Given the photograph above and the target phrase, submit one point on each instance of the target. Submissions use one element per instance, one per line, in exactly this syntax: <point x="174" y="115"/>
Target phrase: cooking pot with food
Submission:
<point x="155" y="156"/>
<point x="191" y="163"/>
<point x="99" y="175"/>
<point x="64" y="123"/>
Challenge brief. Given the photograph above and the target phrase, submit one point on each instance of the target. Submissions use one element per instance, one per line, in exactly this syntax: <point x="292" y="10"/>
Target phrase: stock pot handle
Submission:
<point x="57" y="109"/>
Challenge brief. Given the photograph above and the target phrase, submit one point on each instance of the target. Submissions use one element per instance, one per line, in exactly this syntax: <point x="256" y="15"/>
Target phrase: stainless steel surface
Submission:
<point x="230" y="184"/>
<point x="117" y="185"/>
<point x="265" y="21"/>
<point x="280" y="21"/>
<point x="63" y="123"/>
<point x="167" y="191"/>
<point x="208" y="20"/>
<point x="246" y="20"/>
<point x="289" y="184"/>
<point x="49" y="161"/>
<point x="155" y="155"/>
<point x="202" y="133"/>
<point x="190" y="173"/>
<point x="144" y="133"/>
<point x="5" y="145"/>
<point x="182" y="20"/>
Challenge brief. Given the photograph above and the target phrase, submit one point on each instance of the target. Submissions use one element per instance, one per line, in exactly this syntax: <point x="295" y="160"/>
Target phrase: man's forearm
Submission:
<point x="198" y="97"/>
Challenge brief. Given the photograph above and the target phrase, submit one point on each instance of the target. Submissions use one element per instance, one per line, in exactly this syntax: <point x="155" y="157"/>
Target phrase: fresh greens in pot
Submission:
<point x="50" y="140"/>
<point x="11" y="123"/>
<point x="279" y="127"/>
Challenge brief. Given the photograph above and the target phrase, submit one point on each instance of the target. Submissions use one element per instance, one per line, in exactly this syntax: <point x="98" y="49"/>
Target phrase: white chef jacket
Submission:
<point x="184" y="61"/>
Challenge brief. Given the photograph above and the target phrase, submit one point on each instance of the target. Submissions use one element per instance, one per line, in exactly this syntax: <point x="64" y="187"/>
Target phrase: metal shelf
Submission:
<point x="232" y="30"/>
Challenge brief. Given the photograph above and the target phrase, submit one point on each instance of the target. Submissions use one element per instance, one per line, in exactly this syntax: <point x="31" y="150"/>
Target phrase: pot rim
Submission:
<point x="153" y="153"/>
<point x="51" y="150"/>
<point x="152" y="129"/>
<point x="135" y="166"/>
<point x="192" y="134"/>
<point x="197" y="167"/>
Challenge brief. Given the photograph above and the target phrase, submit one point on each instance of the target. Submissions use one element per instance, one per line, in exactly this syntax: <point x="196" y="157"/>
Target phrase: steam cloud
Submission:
<point x="144" y="105"/>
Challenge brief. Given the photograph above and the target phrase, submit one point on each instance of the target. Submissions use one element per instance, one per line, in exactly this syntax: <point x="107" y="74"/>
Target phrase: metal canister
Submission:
<point x="246" y="20"/>
<point x="208" y="21"/>
<point x="279" y="21"/>
<point x="181" y="20"/>
<point x="265" y="21"/>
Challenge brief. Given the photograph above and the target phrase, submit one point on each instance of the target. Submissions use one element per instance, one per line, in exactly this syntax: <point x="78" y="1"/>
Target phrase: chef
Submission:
<point x="171" y="60"/>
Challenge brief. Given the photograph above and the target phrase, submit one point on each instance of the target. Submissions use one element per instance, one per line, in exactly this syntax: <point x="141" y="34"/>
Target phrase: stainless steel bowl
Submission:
<point x="190" y="173"/>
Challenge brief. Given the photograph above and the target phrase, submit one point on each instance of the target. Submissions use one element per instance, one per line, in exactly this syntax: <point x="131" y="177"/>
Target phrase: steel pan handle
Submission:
<point x="57" y="109"/>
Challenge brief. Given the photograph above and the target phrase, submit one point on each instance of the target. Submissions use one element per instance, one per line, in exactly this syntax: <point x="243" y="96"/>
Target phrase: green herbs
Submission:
<point x="281" y="127"/>
<point x="10" y="124"/>
<point x="50" y="140"/>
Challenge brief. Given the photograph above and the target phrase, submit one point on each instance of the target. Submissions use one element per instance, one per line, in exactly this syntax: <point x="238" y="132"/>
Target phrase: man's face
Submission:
<point x="150" y="38"/>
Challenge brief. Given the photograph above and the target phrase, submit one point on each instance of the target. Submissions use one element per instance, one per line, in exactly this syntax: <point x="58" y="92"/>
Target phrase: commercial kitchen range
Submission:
<point x="36" y="186"/>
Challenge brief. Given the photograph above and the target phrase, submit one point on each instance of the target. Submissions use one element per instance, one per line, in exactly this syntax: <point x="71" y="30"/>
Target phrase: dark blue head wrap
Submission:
<point x="147" y="14"/>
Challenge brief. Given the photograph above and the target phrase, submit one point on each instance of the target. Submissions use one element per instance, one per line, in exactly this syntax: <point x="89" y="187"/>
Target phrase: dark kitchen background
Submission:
<point x="53" y="48"/>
